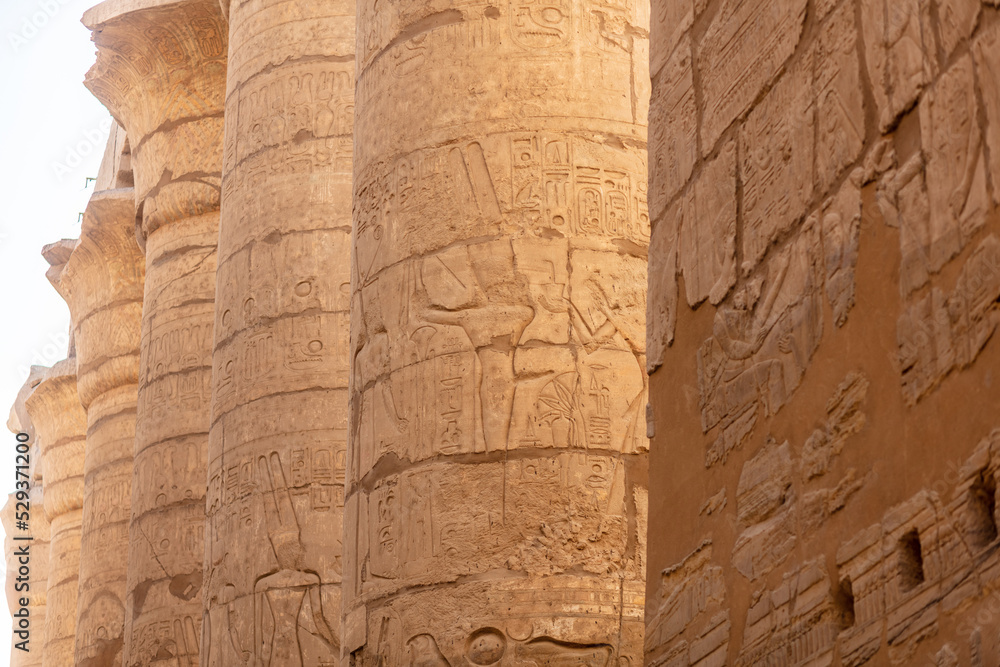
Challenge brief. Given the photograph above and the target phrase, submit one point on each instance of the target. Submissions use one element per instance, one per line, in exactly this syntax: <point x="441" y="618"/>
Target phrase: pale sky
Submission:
<point x="52" y="136"/>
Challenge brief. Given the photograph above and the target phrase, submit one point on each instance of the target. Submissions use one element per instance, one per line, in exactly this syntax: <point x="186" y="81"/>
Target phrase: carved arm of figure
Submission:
<point x="186" y="641"/>
<point x="322" y="627"/>
<point x="282" y="525"/>
<point x="960" y="195"/>
<point x="764" y="312"/>
<point x="264" y="640"/>
<point x="633" y="334"/>
<point x="234" y="634"/>
<point x="591" y="339"/>
<point x="728" y="268"/>
<point x="742" y="330"/>
<point x="730" y="324"/>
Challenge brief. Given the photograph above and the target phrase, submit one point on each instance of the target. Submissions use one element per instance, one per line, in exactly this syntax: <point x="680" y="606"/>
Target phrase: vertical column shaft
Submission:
<point x="61" y="426"/>
<point x="34" y="583"/>
<point x="496" y="475"/>
<point x="279" y="410"/>
<point x="102" y="283"/>
<point x="161" y="70"/>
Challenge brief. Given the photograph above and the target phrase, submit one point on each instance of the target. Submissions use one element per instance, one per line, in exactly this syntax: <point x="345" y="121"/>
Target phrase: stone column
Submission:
<point x="161" y="70"/>
<point x="61" y="425"/>
<point x="496" y="475"/>
<point x="37" y="583"/>
<point x="279" y="412"/>
<point x="102" y="283"/>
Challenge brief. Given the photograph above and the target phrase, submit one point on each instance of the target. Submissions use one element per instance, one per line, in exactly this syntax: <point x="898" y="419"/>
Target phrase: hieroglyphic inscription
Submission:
<point x="673" y="143"/>
<point x="944" y="331"/>
<point x="955" y="167"/>
<point x="742" y="51"/>
<point x="839" y="97"/>
<point x="776" y="162"/>
<point x="899" y="51"/>
<point x="987" y="57"/>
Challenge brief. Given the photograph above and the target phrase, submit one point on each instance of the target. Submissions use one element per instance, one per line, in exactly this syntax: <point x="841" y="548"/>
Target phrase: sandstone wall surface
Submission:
<point x="161" y="70"/>
<point x="824" y="278"/>
<point x="279" y="407"/>
<point x="496" y="488"/>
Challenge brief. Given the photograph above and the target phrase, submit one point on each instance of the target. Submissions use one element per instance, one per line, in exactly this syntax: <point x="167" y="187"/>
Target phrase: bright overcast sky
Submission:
<point x="52" y="136"/>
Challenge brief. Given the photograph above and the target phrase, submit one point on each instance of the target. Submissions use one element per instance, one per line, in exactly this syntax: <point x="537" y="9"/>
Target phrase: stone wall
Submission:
<point x="358" y="371"/>
<point x="824" y="285"/>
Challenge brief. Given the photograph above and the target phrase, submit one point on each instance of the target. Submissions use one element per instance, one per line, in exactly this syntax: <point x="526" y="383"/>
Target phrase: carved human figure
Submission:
<point x="283" y="597"/>
<point x="498" y="299"/>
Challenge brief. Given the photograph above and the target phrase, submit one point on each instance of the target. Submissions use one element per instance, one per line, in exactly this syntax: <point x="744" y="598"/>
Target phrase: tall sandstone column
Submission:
<point x="824" y="298"/>
<point x="279" y="411"/>
<point x="102" y="283"/>
<point x="161" y="70"/>
<point x="61" y="426"/>
<point x="496" y="476"/>
<point x="38" y="530"/>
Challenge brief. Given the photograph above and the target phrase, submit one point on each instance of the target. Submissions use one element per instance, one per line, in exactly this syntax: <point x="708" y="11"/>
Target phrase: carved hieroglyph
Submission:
<point x="161" y="70"/>
<point x="279" y="410"/>
<point x="851" y="258"/>
<point x="498" y="393"/>
<point x="39" y="531"/>
<point x="742" y="50"/>
<point x="102" y="283"/>
<point x="61" y="427"/>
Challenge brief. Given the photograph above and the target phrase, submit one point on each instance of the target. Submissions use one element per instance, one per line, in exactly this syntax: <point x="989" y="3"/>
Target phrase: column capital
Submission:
<point x="102" y="283"/>
<point x="18" y="420"/>
<point x="61" y="426"/>
<point x="161" y="71"/>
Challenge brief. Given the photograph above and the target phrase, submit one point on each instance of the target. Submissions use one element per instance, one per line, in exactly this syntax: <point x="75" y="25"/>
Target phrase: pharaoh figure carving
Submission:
<point x="498" y="353"/>
<point x="276" y="482"/>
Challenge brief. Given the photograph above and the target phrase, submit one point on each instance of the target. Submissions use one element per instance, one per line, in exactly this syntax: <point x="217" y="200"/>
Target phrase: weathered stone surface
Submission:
<point x="276" y="484"/>
<point x="708" y="231"/>
<point x="61" y="425"/>
<point x="956" y="21"/>
<point x="844" y="374"/>
<point x="161" y="70"/>
<point x="673" y="148"/>
<point x="40" y="531"/>
<point x="776" y="163"/>
<point x="102" y="282"/>
<point x="944" y="331"/>
<point x="840" y="112"/>
<point x="900" y="53"/>
<point x="500" y="228"/>
<point x="986" y="51"/>
<point x="763" y="337"/>
<point x="952" y="146"/>
<point x="841" y="230"/>
<point x="743" y="50"/>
